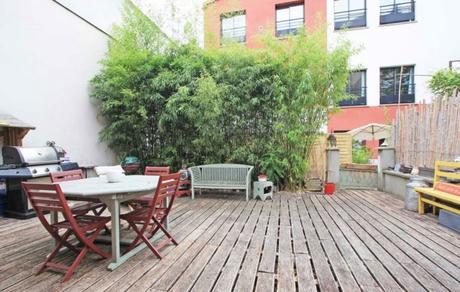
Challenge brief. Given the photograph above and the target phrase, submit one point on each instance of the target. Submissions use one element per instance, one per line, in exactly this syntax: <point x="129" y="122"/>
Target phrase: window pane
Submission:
<point x="340" y="5"/>
<point x="282" y="14"/>
<point x="239" y="21"/>
<point x="357" y="4"/>
<point x="227" y="23"/>
<point x="296" y="12"/>
<point x="387" y="2"/>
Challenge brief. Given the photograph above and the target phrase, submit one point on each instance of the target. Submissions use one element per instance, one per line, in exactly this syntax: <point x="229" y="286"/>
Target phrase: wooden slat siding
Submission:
<point x="166" y="281"/>
<point x="322" y="269"/>
<point x="265" y="282"/>
<point x="357" y="267"/>
<point x="211" y="272"/>
<point x="344" y="143"/>
<point x="193" y="271"/>
<point x="142" y="262"/>
<point x="393" y="265"/>
<point x="145" y="277"/>
<point x="268" y="259"/>
<point x="248" y="272"/>
<point x="340" y="267"/>
<point x="421" y="224"/>
<point x="439" y="268"/>
<point x="380" y="274"/>
<point x="230" y="270"/>
<point x="298" y="237"/>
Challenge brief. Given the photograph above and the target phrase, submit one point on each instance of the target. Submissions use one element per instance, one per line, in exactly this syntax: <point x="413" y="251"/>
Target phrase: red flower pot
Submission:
<point x="329" y="188"/>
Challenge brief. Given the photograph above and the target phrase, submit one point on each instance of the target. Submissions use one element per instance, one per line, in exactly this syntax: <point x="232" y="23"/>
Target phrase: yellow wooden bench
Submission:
<point x="442" y="195"/>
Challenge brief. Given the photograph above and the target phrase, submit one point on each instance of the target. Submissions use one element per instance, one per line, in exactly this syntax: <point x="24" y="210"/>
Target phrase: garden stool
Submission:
<point x="263" y="190"/>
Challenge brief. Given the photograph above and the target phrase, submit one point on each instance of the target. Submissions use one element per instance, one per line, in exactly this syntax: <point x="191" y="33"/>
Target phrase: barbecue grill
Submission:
<point x="26" y="164"/>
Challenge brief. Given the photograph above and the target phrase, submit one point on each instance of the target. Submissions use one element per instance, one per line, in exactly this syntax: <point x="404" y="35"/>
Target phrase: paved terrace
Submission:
<point x="355" y="240"/>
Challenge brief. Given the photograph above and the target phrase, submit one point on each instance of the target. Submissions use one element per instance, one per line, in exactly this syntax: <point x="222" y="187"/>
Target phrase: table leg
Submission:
<point x="114" y="207"/>
<point x="54" y="219"/>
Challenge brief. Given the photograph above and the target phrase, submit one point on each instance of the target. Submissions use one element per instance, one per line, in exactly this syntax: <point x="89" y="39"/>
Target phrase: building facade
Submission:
<point x="401" y="44"/>
<point x="244" y="21"/>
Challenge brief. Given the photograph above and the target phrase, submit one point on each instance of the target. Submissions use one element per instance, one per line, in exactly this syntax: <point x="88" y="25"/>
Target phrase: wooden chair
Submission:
<point x="156" y="170"/>
<point x="154" y="214"/>
<point x="49" y="198"/>
<point x="149" y="170"/>
<point x="93" y="205"/>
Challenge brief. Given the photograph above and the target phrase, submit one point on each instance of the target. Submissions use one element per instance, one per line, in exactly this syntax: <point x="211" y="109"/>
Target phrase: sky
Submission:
<point x="172" y="16"/>
<point x="91" y="11"/>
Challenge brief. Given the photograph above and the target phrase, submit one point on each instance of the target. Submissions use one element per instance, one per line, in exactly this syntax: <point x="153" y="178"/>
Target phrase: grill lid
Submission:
<point x="29" y="155"/>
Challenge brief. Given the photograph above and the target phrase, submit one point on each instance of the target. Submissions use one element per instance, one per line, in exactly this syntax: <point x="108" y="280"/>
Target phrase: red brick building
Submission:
<point x="243" y="20"/>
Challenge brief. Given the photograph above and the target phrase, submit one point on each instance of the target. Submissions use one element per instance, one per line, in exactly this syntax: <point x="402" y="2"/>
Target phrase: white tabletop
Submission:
<point x="98" y="186"/>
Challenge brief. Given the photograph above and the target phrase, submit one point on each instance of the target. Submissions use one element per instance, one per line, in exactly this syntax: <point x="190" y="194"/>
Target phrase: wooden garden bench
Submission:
<point x="221" y="176"/>
<point x="443" y="194"/>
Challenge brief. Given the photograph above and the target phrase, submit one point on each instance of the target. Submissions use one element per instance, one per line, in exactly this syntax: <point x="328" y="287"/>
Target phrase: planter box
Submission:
<point x="362" y="167"/>
<point x="450" y="220"/>
<point x="426" y="172"/>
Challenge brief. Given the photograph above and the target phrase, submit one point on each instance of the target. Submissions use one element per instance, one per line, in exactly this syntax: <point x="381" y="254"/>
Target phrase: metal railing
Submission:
<point x="397" y="12"/>
<point x="360" y="98"/>
<point x="390" y="94"/>
<point x="350" y="18"/>
<point x="290" y="26"/>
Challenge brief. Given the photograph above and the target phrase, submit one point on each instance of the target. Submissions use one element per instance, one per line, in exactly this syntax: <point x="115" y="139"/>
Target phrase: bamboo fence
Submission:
<point x="425" y="133"/>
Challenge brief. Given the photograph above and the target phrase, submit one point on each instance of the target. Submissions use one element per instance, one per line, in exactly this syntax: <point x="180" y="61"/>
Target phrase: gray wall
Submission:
<point x="47" y="57"/>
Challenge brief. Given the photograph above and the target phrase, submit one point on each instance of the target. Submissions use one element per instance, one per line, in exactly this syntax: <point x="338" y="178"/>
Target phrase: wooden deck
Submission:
<point x="355" y="240"/>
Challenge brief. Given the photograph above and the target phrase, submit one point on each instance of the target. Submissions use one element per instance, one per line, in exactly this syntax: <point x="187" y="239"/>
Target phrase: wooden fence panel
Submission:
<point x="428" y="132"/>
<point x="344" y="143"/>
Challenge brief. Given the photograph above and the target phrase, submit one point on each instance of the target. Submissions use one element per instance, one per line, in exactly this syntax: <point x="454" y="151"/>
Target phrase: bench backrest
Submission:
<point x="228" y="173"/>
<point x="445" y="169"/>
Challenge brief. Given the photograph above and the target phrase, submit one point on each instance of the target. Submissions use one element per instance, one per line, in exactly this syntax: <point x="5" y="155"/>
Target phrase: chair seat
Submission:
<point x="140" y="214"/>
<point x="85" y="207"/>
<point x="85" y="222"/>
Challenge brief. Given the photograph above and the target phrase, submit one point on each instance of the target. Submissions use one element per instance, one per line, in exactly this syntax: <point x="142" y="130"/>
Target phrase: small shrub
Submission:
<point x="445" y="83"/>
<point x="361" y="153"/>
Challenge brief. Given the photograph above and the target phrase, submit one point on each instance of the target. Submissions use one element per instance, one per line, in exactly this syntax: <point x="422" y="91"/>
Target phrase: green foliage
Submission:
<point x="360" y="154"/>
<point x="445" y="83"/>
<point x="168" y="103"/>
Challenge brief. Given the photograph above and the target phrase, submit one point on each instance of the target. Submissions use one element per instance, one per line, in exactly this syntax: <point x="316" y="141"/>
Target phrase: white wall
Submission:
<point x="429" y="43"/>
<point x="47" y="57"/>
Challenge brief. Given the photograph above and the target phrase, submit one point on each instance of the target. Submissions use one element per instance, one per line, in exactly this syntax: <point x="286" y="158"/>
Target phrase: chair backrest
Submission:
<point x="445" y="169"/>
<point x="46" y="198"/>
<point x="156" y="170"/>
<point x="103" y="170"/>
<point x="66" y="175"/>
<point x="168" y="186"/>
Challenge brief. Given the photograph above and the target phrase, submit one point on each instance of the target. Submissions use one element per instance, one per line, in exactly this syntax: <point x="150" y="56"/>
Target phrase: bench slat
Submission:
<point x="438" y="194"/>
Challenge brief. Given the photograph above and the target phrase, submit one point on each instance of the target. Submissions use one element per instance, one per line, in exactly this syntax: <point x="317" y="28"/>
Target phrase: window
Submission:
<point x="357" y="87"/>
<point x="234" y="27"/>
<point x="289" y="19"/>
<point x="349" y="13"/>
<point x="392" y="11"/>
<point x="390" y="79"/>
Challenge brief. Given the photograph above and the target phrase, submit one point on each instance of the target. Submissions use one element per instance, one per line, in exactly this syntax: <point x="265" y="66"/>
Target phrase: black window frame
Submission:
<point x="290" y="31"/>
<point x="240" y="39"/>
<point x="360" y="99"/>
<point x="397" y="12"/>
<point x="408" y="91"/>
<point x="350" y="18"/>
